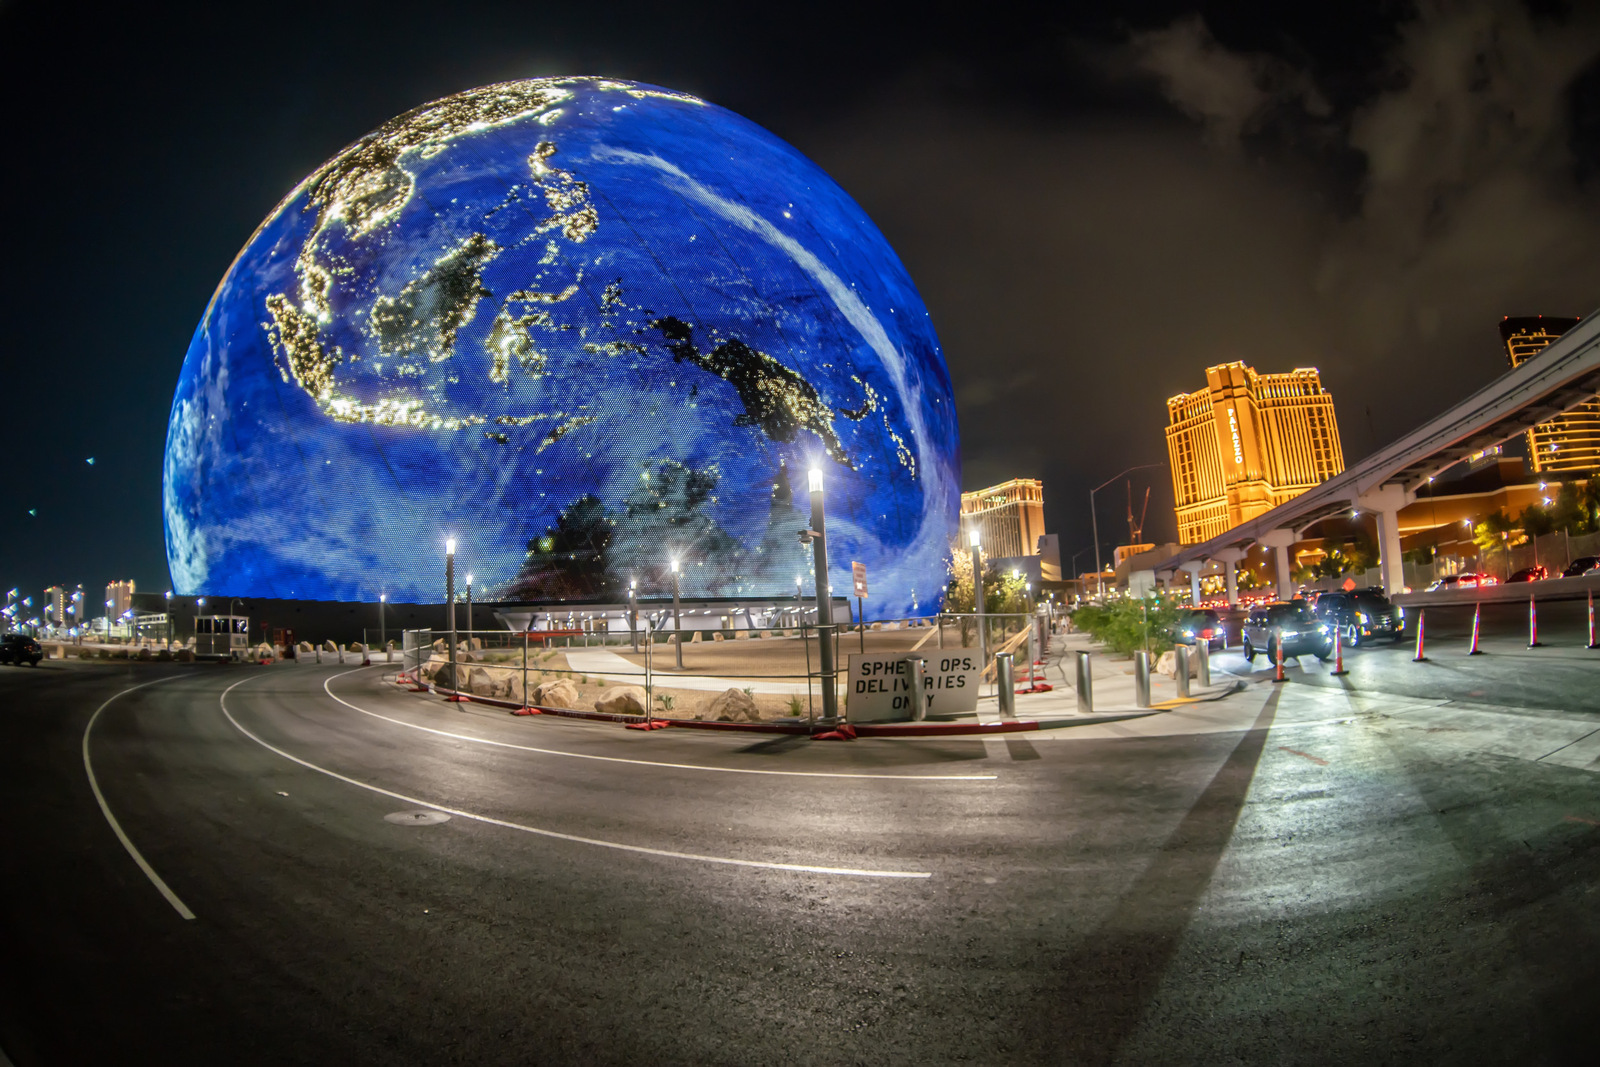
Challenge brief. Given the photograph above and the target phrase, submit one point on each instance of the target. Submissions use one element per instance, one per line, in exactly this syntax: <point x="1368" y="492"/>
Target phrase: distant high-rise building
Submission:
<point x="1246" y="443"/>
<point x="56" y="601"/>
<point x="1571" y="440"/>
<point x="120" y="596"/>
<point x="1008" y="516"/>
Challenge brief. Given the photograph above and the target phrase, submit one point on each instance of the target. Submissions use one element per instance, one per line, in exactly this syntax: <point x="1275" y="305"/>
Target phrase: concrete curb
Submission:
<point x="908" y="729"/>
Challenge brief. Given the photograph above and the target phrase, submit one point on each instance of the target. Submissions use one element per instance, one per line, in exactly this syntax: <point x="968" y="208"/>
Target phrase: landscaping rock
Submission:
<point x="733" y="705"/>
<point x="717" y="636"/>
<point x="1167" y="664"/>
<point x="560" y="693"/>
<point x="481" y="682"/>
<point x="621" y="700"/>
<point x="305" y="646"/>
<point x="694" y="637"/>
<point x="741" y="635"/>
<point x="329" y="646"/>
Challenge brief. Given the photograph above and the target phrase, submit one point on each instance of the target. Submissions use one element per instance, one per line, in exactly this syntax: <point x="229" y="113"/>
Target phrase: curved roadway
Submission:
<point x="1247" y="881"/>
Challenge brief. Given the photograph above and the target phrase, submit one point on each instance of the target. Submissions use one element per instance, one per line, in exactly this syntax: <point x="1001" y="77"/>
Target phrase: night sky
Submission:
<point x="1095" y="205"/>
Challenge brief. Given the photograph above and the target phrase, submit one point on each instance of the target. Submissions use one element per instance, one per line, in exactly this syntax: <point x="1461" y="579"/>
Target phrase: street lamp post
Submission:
<point x="169" y="620"/>
<point x="976" y="540"/>
<point x="677" y="620"/>
<point x="1094" y="520"/>
<point x="469" y="609"/>
<point x="383" y="633"/>
<point x="633" y="611"/>
<point x="819" y="556"/>
<point x="450" y="602"/>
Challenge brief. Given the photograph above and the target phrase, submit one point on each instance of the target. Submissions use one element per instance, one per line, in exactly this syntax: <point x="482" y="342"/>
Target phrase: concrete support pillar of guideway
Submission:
<point x="1279" y="541"/>
<point x="1385" y="502"/>
<point x="1230" y="558"/>
<point x="1194" y="567"/>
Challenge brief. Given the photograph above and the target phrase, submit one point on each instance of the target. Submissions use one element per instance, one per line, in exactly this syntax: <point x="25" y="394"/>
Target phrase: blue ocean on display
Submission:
<point x="584" y="327"/>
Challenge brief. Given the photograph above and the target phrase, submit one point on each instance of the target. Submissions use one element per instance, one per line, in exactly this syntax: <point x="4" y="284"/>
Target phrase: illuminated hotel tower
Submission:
<point x="1570" y="441"/>
<point x="1246" y="443"/>
<point x="1009" y="516"/>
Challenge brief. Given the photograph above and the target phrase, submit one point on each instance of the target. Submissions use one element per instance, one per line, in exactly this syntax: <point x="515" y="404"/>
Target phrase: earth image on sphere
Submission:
<point x="584" y="327"/>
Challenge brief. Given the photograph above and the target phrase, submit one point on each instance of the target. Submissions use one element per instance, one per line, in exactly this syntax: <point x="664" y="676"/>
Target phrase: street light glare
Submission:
<point x="469" y="577"/>
<point x="674" y="566"/>
<point x="977" y="539"/>
<point x="450" y="547"/>
<point x="815" y="478"/>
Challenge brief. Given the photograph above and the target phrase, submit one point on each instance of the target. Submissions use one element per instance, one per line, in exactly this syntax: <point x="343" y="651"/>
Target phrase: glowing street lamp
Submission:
<point x="383" y="634"/>
<point x="677" y="621"/>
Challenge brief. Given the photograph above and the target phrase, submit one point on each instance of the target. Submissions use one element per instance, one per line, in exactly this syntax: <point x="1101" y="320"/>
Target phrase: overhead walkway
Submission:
<point x="1561" y="377"/>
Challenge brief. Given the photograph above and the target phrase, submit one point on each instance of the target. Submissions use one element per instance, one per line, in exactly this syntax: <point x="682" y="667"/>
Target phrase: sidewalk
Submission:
<point x="1113" y="687"/>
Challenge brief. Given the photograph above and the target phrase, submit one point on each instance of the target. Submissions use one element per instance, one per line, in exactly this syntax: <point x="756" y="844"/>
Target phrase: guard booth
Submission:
<point x="221" y="635"/>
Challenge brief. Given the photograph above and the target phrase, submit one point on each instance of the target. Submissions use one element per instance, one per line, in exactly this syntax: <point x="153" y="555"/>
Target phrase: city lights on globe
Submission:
<point x="579" y="322"/>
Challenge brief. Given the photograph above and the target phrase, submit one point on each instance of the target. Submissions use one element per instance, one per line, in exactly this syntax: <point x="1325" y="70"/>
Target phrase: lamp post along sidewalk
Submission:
<point x="450" y="604"/>
<point x="469" y="609"/>
<point x="677" y="619"/>
<point x="977" y="595"/>
<point x="817" y="538"/>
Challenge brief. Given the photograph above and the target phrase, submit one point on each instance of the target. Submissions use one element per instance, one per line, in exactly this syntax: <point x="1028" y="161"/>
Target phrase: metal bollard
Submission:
<point x="1085" y="685"/>
<point x="918" y="686"/>
<point x="1180" y="655"/>
<point x="1006" y="680"/>
<point x="1141" y="679"/>
<point x="1204" y="648"/>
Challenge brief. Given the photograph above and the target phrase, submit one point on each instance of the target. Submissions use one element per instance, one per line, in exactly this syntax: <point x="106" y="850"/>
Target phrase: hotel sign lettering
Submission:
<point x="1233" y="428"/>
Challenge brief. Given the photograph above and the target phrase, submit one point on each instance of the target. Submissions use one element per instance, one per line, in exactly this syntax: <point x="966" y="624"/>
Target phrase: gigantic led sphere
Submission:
<point x="585" y="327"/>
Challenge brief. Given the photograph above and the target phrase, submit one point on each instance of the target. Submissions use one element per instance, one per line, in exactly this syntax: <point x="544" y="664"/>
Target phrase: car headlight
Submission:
<point x="1323" y="628"/>
<point x="1399" y="613"/>
<point x="1363" y="617"/>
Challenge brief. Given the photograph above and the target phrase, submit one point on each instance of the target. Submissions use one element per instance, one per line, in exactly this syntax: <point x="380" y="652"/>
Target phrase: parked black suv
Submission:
<point x="1361" y="615"/>
<point x="20" y="649"/>
<point x="1302" y="632"/>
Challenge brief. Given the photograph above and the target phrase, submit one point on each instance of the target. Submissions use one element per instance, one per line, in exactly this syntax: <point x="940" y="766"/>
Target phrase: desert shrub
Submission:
<point x="1128" y="626"/>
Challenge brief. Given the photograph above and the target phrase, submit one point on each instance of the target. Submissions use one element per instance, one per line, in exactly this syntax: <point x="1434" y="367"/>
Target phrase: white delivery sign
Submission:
<point x="881" y="686"/>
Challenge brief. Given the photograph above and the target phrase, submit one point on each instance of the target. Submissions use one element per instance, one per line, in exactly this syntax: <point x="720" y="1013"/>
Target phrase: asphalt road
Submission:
<point x="1327" y="891"/>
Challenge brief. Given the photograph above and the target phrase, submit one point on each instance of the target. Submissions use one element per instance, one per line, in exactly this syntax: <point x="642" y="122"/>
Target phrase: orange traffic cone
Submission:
<point x="1475" y="650"/>
<point x="1421" y="619"/>
<point x="1338" y="654"/>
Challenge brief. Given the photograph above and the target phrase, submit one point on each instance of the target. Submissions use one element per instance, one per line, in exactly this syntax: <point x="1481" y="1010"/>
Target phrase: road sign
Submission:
<point x="880" y="684"/>
<point x="858" y="571"/>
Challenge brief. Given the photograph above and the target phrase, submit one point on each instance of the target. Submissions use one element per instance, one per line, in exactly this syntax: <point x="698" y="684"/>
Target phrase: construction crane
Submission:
<point x="1137" y="528"/>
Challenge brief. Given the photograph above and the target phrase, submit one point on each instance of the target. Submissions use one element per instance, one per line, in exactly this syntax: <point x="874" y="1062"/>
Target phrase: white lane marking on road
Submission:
<point x="804" y="868"/>
<point x="105" y="808"/>
<point x="653" y="763"/>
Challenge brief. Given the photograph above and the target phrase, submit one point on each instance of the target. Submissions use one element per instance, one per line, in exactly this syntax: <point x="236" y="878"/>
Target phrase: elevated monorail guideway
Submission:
<point x="1561" y="377"/>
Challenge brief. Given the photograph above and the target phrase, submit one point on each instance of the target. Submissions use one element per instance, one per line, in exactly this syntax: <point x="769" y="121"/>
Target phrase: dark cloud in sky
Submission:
<point x="1096" y="205"/>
